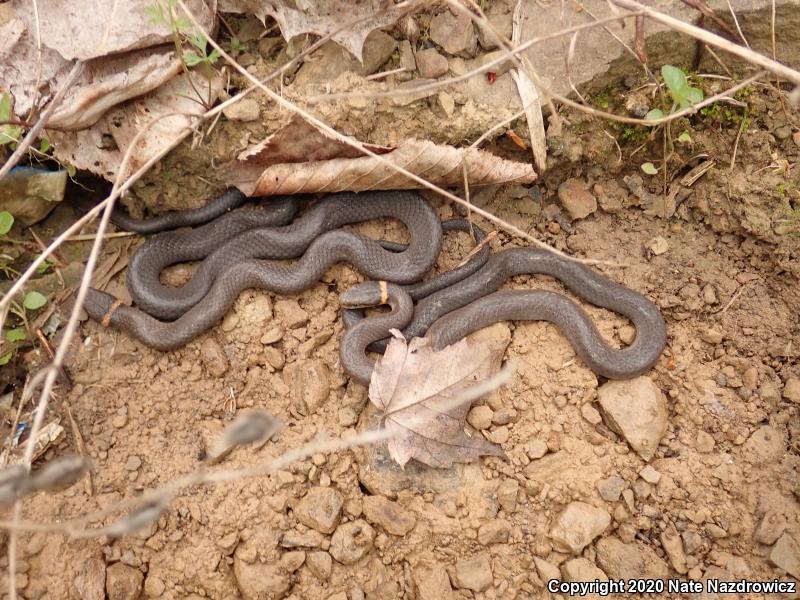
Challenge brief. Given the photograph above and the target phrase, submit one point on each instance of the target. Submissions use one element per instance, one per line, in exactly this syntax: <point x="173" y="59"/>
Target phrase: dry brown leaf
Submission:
<point x="301" y="159"/>
<point x="323" y="17"/>
<point x="89" y="149"/>
<point x="418" y="388"/>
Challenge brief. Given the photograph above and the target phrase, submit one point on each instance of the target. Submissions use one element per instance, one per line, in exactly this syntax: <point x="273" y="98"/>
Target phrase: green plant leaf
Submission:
<point x="44" y="267"/>
<point x="16" y="335"/>
<point x="684" y="138"/>
<point x="44" y="145"/>
<point x="191" y="59"/>
<point x="653" y="114"/>
<point x="6" y="222"/>
<point x="199" y="41"/>
<point x="34" y="300"/>
<point x="213" y="57"/>
<point x="694" y="95"/>
<point x="5" y="358"/>
<point x="5" y="107"/>
<point x="155" y="14"/>
<point x="71" y="171"/>
<point x="649" y="168"/>
<point x="674" y="78"/>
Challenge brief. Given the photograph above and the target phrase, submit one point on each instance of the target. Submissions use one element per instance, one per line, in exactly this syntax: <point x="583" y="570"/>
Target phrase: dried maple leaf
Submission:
<point x="418" y="390"/>
<point x="301" y="159"/>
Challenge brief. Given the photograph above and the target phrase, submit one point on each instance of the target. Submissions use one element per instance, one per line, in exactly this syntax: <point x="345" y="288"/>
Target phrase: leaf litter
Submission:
<point x="421" y="393"/>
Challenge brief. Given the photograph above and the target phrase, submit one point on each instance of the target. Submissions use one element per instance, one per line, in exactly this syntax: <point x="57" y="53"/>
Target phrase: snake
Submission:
<point x="450" y="314"/>
<point x="290" y="277"/>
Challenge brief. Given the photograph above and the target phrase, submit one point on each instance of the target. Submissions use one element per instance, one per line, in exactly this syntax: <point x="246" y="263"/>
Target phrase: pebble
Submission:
<point x="703" y="442"/>
<point x="433" y="583"/>
<point x="637" y="410"/>
<point x="611" y="488"/>
<point x="507" y="495"/>
<point x="576" y="199"/>
<point x="347" y="417"/>
<point x="273" y="335"/>
<point x="785" y="555"/>
<point x="504" y="416"/>
<point x="473" y="574"/>
<point x="766" y="445"/>
<point x="710" y="294"/>
<point x="378" y="48"/>
<point x="119" y="421"/>
<point x="133" y="463"/>
<point x="591" y="414"/>
<point x="582" y="569"/>
<point x="291" y="561"/>
<point x="259" y="580"/>
<point x="154" y="587"/>
<point x="499" y="435"/>
<point x="577" y="525"/>
<point x="770" y="528"/>
<point x="290" y="313"/>
<point x="246" y="109"/>
<point x="650" y="475"/>
<point x="431" y="64"/>
<point x="455" y="33"/>
<point x="715" y="531"/>
<point x="536" y="449"/>
<point x="309" y="382"/>
<point x="673" y="547"/>
<point x="625" y="561"/>
<point x="791" y="391"/>
<point x="213" y="357"/>
<point x="546" y="570"/>
<point x="407" y="60"/>
<point x="305" y="539"/>
<point x="389" y="515"/>
<point x="90" y="583"/>
<point x="658" y="245"/>
<point x="320" y="509"/>
<point x="711" y="335"/>
<point x="495" y="531"/>
<point x="352" y="541"/>
<point x="480" y="417"/>
<point x="627" y="334"/>
<point x="123" y="582"/>
<point x="274" y="358"/>
<point x="320" y="564"/>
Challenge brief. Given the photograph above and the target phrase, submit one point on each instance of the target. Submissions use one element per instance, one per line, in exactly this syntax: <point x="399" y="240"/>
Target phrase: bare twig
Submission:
<point x="736" y="22"/>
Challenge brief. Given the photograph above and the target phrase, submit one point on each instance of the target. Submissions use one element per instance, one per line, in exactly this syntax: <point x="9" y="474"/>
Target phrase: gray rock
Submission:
<point x="320" y="509"/>
<point x="500" y="22"/>
<point x="431" y="64"/>
<point x="378" y="48"/>
<point x="123" y="582"/>
<point x="577" y="525"/>
<point x="611" y="488"/>
<point x="473" y="574"/>
<point x="90" y="583"/>
<point x="352" y="541"/>
<point x="635" y="409"/>
<point x="407" y="60"/>
<point x="454" y="33"/>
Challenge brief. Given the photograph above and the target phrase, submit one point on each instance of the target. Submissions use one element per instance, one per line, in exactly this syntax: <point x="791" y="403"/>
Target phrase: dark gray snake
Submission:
<point x="368" y="256"/>
<point x="451" y="313"/>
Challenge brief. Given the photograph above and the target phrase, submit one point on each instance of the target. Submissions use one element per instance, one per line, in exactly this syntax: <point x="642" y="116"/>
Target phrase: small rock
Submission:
<point x="766" y="445"/>
<point x="246" y="109"/>
<point x="650" y="475"/>
<point x="257" y="580"/>
<point x="715" y="531"/>
<point x="703" y="442"/>
<point x="273" y="335"/>
<point x="90" y="583"/>
<point x="500" y="25"/>
<point x="710" y="294"/>
<point x="637" y="410"/>
<point x="320" y="564"/>
<point x="352" y="541"/>
<point x="378" y="48"/>
<point x="119" y="421"/>
<point x="480" y="417"/>
<point x="431" y="64"/>
<point x="582" y="569"/>
<point x="306" y="539"/>
<point x="711" y="336"/>
<point x="320" y="509"/>
<point x="577" y="525"/>
<point x="658" y="245"/>
<point x="213" y="357"/>
<point x="123" y="582"/>
<point x="626" y="561"/>
<point x="290" y="313"/>
<point x="433" y="584"/>
<point x="347" y="417"/>
<point x="770" y="528"/>
<point x="785" y="555"/>
<point x="395" y="519"/>
<point x="641" y="489"/>
<point x="154" y="587"/>
<point x="495" y="531"/>
<point x="547" y="570"/>
<point x="499" y="435"/>
<point x="446" y="103"/>
<point x="591" y="414"/>
<point x="507" y="495"/>
<point x="791" y="391"/>
<point x="473" y="574"/>
<point x="454" y="33"/>
<point x="407" y="60"/>
<point x="611" y="488"/>
<point x="673" y="547"/>
<point x="291" y="561"/>
<point x="796" y="138"/>
<point x="536" y="449"/>
<point x="309" y="382"/>
<point x="133" y="463"/>
<point x="576" y="199"/>
<point x="274" y="358"/>
<point x="504" y="416"/>
<point x="627" y="334"/>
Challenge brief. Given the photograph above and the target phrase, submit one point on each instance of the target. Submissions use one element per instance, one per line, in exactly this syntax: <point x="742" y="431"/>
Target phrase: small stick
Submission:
<point x="90" y="237"/>
<point x="383" y="74"/>
<point x="80" y="446"/>
<point x="62" y="371"/>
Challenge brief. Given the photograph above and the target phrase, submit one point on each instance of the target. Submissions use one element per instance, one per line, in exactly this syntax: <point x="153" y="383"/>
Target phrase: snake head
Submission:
<point x="364" y="295"/>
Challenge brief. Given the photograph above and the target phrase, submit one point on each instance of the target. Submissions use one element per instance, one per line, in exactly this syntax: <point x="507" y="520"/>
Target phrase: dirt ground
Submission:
<point x="718" y="498"/>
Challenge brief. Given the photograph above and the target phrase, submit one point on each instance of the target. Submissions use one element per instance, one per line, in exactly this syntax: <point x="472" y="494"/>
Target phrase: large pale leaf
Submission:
<point x="418" y="390"/>
<point x="301" y="159"/>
